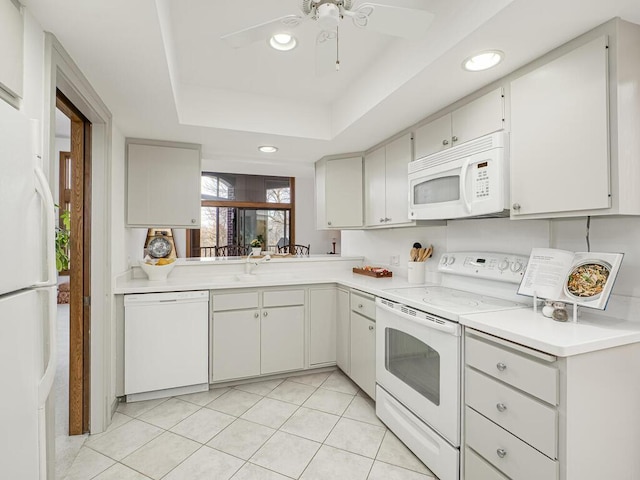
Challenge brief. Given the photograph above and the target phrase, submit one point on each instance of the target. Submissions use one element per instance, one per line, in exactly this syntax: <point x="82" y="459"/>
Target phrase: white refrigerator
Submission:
<point x="27" y="301"/>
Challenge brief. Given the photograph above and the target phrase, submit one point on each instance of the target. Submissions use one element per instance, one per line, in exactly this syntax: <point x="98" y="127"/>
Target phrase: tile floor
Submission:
<point x="317" y="426"/>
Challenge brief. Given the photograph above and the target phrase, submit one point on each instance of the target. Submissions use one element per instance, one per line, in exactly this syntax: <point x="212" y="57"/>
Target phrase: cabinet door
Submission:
<point x="398" y="156"/>
<point x="343" y="331"/>
<point x="282" y="339"/>
<point x="478" y="117"/>
<point x="374" y="186"/>
<point x="235" y="347"/>
<point x="363" y="353"/>
<point x="11" y="53"/>
<point x="559" y="138"/>
<point x="343" y="192"/>
<point x="433" y="137"/>
<point x="322" y="325"/>
<point x="163" y="186"/>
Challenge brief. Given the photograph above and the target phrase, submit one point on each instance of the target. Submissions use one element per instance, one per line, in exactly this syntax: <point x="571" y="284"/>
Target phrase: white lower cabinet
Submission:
<point x="363" y="342"/>
<point x="257" y="332"/>
<point x="343" y="331"/>
<point x="281" y="339"/>
<point x="235" y="348"/>
<point x="511" y="417"/>
<point x="322" y="325"/>
<point x="530" y="415"/>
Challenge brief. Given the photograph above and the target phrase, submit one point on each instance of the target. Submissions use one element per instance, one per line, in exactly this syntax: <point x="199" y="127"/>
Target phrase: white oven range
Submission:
<point x="419" y="364"/>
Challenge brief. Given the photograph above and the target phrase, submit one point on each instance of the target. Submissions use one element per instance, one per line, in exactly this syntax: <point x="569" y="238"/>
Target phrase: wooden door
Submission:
<point x="80" y="268"/>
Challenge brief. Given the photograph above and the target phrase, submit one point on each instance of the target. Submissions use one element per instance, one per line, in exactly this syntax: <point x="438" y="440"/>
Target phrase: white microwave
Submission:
<point x="468" y="180"/>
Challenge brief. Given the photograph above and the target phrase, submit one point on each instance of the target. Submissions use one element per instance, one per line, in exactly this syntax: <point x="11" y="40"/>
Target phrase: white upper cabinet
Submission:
<point x="386" y="187"/>
<point x="339" y="192"/>
<point x="11" y="51"/>
<point x="479" y="117"/>
<point x="433" y="137"/>
<point x="560" y="134"/>
<point x="575" y="118"/>
<point x="163" y="184"/>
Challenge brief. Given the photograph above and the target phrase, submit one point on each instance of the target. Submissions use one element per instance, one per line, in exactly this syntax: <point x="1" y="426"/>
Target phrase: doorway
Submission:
<point x="75" y="197"/>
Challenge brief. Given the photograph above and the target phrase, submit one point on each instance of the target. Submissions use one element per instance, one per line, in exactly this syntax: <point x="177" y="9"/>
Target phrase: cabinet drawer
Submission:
<point x="235" y="301"/>
<point x="363" y="305"/>
<point x="507" y="453"/>
<point x="476" y="468"/>
<point x="528" y="419"/>
<point x="282" y="298"/>
<point x="517" y="369"/>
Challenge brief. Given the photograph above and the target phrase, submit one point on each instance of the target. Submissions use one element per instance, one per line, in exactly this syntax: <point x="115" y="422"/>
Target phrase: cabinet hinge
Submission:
<point x="86" y="301"/>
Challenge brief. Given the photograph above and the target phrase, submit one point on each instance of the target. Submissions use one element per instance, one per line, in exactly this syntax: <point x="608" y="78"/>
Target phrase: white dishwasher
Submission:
<point x="166" y="338"/>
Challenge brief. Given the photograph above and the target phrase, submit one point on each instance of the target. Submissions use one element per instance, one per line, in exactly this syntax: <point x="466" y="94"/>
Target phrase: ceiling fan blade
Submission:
<point x="390" y="20"/>
<point x="262" y="31"/>
<point x="326" y="52"/>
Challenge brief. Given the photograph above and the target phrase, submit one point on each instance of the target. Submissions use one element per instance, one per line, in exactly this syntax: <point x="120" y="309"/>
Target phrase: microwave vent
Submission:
<point x="482" y="144"/>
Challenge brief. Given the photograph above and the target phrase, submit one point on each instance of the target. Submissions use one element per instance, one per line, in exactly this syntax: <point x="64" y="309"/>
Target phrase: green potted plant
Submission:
<point x="63" y="235"/>
<point x="256" y="245"/>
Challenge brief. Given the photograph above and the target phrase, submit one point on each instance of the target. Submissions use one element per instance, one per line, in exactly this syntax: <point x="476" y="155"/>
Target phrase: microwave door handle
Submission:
<point x="463" y="184"/>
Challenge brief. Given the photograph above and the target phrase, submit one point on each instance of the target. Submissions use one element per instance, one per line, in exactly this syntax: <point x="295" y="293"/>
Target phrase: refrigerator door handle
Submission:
<point x="46" y="382"/>
<point x="42" y="188"/>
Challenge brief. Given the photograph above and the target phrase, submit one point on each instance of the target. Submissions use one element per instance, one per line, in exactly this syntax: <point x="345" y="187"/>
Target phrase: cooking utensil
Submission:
<point x="415" y="251"/>
<point x="424" y="253"/>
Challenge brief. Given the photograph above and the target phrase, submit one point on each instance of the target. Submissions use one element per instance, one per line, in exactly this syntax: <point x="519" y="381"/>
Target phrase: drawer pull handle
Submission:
<point x="256" y="315"/>
<point x="501" y="366"/>
<point x="501" y="407"/>
<point x="501" y="452"/>
<point x="370" y="327"/>
<point x="360" y="305"/>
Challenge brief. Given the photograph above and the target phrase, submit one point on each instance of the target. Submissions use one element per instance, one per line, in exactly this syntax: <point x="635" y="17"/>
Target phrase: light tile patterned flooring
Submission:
<point x="318" y="426"/>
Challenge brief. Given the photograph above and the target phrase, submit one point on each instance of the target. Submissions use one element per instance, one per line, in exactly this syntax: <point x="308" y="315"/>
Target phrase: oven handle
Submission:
<point x="448" y="327"/>
<point x="463" y="184"/>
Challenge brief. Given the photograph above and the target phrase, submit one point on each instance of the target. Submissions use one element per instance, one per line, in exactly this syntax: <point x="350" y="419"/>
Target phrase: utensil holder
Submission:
<point x="415" y="272"/>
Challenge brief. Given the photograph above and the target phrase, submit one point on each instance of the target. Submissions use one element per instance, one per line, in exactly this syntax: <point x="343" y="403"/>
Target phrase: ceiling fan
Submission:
<point x="328" y="14"/>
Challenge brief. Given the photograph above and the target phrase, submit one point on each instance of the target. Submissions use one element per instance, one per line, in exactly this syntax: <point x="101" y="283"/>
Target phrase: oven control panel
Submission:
<point x="503" y="267"/>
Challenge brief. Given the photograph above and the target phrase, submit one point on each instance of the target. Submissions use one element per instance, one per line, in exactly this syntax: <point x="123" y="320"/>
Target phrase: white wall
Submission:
<point x="607" y="234"/>
<point x="62" y="145"/>
<point x="120" y="237"/>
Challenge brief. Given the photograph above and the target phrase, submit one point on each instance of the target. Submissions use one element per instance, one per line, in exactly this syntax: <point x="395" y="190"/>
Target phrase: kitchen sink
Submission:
<point x="266" y="277"/>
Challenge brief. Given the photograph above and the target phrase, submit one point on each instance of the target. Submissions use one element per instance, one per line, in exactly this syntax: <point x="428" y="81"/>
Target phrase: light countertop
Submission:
<point x="229" y="274"/>
<point x="593" y="330"/>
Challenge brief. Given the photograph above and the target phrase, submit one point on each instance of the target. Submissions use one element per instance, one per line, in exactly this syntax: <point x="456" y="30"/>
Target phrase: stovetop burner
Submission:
<point x="448" y="302"/>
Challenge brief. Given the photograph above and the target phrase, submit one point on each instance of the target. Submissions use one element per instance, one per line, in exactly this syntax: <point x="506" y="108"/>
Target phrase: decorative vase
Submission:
<point x="256" y="250"/>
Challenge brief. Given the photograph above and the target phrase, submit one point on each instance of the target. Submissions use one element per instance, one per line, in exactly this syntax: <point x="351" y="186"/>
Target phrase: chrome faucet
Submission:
<point x="248" y="266"/>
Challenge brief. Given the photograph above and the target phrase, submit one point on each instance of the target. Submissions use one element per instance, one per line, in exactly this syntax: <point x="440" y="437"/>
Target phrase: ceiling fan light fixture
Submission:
<point x="268" y="149"/>
<point x="283" y="42"/>
<point x="328" y="15"/>
<point x="483" y="60"/>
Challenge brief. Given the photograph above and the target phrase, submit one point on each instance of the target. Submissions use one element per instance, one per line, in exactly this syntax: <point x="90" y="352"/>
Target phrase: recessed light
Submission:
<point x="267" y="148"/>
<point x="283" y="42"/>
<point x="483" y="60"/>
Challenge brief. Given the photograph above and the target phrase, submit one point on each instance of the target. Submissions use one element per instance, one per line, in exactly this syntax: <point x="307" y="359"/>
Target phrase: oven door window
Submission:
<point x="437" y="190"/>
<point x="414" y="363"/>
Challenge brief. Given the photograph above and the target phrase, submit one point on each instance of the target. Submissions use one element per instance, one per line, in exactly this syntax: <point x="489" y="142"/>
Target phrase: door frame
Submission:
<point x="61" y="72"/>
<point x="80" y="268"/>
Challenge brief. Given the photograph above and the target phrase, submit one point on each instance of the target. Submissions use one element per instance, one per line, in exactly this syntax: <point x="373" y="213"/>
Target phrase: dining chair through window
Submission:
<point x="295" y="249"/>
<point x="232" y="251"/>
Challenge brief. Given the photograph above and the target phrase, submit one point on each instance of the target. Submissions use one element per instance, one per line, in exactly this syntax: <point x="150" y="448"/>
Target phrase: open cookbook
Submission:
<point x="584" y="278"/>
